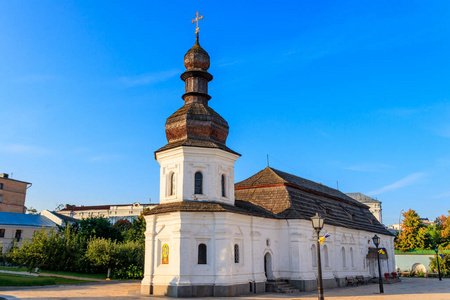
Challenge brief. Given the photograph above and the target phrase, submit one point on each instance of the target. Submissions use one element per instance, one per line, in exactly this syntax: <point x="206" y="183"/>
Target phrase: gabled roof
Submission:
<point x="291" y="197"/>
<point x="15" y="219"/>
<point x="362" y="198"/>
<point x="100" y="207"/>
<point x="271" y="176"/>
<point x="64" y="218"/>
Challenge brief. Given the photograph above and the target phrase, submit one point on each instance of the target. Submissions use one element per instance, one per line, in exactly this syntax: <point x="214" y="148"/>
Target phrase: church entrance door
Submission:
<point x="268" y="266"/>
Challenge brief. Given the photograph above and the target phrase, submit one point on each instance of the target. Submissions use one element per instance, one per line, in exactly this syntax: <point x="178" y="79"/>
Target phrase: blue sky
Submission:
<point x="350" y="92"/>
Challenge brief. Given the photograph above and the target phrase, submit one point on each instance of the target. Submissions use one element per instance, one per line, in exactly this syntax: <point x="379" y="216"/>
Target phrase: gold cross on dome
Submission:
<point x="196" y="20"/>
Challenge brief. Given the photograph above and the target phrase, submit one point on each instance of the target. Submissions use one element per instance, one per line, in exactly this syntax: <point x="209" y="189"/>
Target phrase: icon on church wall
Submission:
<point x="165" y="254"/>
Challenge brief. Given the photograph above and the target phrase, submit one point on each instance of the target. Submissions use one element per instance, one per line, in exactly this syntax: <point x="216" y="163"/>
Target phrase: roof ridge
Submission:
<point x="275" y="172"/>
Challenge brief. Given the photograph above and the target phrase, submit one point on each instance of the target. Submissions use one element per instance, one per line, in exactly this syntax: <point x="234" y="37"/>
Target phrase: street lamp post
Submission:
<point x="437" y="259"/>
<point x="376" y="241"/>
<point x="317" y="223"/>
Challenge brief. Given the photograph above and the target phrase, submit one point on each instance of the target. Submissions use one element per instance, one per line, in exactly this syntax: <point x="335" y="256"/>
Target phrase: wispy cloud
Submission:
<point x="23" y="149"/>
<point x="368" y="167"/>
<point x="408" y="180"/>
<point x="148" y="78"/>
<point x="105" y="158"/>
<point x="443" y="195"/>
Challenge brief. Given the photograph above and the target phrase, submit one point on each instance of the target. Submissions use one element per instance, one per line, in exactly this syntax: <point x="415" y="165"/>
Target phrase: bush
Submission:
<point x="51" y="251"/>
<point x="129" y="272"/>
<point x="104" y="254"/>
<point x="70" y="250"/>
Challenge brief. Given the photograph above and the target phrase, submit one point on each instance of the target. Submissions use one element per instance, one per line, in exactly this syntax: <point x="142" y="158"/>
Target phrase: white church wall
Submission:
<point x="289" y="243"/>
<point x="184" y="162"/>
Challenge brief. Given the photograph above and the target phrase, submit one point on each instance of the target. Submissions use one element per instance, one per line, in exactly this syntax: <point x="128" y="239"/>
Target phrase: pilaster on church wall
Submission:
<point x="149" y="250"/>
<point x="202" y="229"/>
<point x="223" y="244"/>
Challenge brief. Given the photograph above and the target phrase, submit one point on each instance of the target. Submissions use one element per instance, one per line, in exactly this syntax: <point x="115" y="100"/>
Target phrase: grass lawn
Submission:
<point x="17" y="269"/>
<point x="16" y="280"/>
<point x="74" y="274"/>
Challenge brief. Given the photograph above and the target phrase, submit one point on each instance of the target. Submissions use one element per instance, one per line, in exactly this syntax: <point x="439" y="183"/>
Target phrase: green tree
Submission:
<point x="442" y="224"/>
<point x="98" y="227"/>
<point x="104" y="253"/>
<point x="54" y="250"/>
<point x="444" y="264"/>
<point x="32" y="211"/>
<point x="435" y="235"/>
<point x="137" y="229"/>
<point x="410" y="238"/>
<point x="123" y="225"/>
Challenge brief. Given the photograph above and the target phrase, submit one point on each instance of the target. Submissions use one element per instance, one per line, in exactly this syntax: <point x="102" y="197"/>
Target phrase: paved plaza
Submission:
<point x="409" y="288"/>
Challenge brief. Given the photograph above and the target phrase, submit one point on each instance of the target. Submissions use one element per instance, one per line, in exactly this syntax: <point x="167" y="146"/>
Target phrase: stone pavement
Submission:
<point x="409" y="288"/>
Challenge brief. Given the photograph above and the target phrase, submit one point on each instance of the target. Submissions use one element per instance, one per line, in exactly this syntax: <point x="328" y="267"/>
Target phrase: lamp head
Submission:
<point x="376" y="240"/>
<point x="436" y="249"/>
<point x="317" y="222"/>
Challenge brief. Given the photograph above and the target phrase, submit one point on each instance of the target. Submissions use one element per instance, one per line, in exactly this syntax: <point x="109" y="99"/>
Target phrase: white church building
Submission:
<point x="211" y="237"/>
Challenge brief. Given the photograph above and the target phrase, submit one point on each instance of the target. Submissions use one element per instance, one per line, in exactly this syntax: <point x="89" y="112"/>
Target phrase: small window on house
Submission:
<point x="202" y="254"/>
<point x="2" y="233"/>
<point x="1" y="186"/>
<point x="236" y="253"/>
<point x="18" y="234"/>
<point x="172" y="184"/>
<point x="198" y="183"/>
<point x="223" y="186"/>
<point x="0" y="198"/>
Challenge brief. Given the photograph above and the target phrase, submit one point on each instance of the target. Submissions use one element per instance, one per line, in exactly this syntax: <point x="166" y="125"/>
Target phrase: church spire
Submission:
<point x="196" y="124"/>
<point x="196" y="77"/>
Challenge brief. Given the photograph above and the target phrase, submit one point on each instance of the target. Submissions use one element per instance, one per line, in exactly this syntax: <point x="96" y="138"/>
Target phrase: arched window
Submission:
<point x="325" y="256"/>
<point x="198" y="183"/>
<point x="344" y="258"/>
<point x="236" y="253"/>
<point x="202" y="254"/>
<point x="314" y="256"/>
<point x="352" y="260"/>
<point x="223" y="186"/>
<point x="172" y="184"/>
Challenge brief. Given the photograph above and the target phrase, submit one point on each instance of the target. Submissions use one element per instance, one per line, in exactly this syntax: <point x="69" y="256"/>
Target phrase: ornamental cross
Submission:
<point x="196" y="20"/>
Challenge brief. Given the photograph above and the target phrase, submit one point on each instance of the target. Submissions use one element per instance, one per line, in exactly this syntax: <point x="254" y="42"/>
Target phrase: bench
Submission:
<point x="362" y="280"/>
<point x="351" y="280"/>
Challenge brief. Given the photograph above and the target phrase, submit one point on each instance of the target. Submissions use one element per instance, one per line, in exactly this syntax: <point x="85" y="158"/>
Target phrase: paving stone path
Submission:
<point x="409" y="288"/>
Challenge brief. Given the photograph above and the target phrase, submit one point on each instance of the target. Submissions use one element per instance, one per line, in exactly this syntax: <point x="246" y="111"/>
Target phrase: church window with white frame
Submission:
<point x="352" y="259"/>
<point x="198" y="183"/>
<point x="344" y="258"/>
<point x="172" y="188"/>
<point x="202" y="254"/>
<point x="223" y="184"/>
<point x="236" y="253"/>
